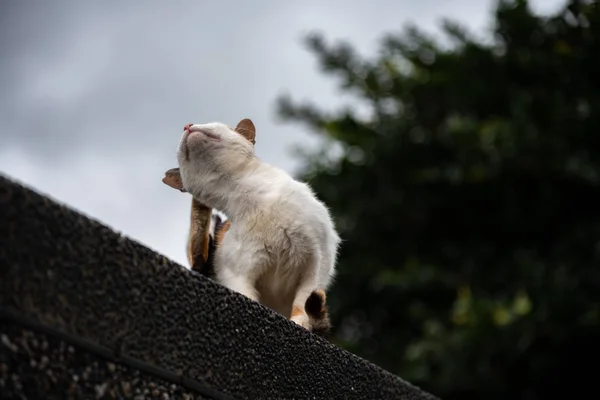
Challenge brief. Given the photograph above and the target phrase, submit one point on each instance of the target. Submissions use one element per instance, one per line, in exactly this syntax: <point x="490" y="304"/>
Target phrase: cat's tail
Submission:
<point x="316" y="309"/>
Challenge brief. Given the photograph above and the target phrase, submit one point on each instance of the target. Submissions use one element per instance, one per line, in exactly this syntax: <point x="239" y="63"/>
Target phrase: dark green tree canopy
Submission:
<point x="468" y="202"/>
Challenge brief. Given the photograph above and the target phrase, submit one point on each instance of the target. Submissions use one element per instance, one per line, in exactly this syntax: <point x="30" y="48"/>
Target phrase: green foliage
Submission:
<point x="468" y="202"/>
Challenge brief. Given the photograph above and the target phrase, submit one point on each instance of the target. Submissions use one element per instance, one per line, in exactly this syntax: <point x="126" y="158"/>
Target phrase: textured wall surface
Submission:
<point x="39" y="366"/>
<point x="62" y="270"/>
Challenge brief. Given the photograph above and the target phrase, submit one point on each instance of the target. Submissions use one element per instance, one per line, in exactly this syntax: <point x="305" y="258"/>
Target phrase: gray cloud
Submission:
<point x="94" y="94"/>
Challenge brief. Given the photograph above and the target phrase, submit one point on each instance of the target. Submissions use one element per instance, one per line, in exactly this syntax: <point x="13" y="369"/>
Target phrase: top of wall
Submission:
<point x="63" y="270"/>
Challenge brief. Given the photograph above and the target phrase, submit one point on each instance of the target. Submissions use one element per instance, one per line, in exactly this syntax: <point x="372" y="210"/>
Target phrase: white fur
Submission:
<point x="282" y="244"/>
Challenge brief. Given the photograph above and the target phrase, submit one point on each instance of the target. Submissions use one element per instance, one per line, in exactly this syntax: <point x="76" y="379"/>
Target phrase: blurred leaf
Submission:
<point x="467" y="199"/>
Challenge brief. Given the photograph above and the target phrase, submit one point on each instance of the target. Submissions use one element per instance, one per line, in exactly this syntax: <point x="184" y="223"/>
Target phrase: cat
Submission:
<point x="207" y="230"/>
<point x="281" y="245"/>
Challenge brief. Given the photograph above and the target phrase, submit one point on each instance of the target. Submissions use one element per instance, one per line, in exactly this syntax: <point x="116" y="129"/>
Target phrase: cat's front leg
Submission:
<point x="239" y="283"/>
<point x="234" y="269"/>
<point x="238" y="263"/>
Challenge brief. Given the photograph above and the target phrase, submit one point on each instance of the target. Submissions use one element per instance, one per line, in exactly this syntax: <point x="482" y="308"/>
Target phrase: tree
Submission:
<point x="468" y="202"/>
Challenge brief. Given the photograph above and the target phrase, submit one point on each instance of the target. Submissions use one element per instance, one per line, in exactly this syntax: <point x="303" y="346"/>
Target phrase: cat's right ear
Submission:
<point x="246" y="128"/>
<point x="173" y="179"/>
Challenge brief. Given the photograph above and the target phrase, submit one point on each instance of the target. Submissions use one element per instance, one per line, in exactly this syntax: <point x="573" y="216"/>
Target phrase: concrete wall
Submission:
<point x="88" y="313"/>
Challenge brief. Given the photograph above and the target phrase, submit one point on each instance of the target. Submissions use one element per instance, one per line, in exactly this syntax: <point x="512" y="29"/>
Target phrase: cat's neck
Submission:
<point x="240" y="194"/>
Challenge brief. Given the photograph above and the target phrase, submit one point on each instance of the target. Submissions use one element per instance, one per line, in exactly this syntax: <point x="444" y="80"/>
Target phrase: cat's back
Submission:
<point x="287" y="204"/>
<point x="289" y="222"/>
<point x="291" y="198"/>
<point x="300" y="211"/>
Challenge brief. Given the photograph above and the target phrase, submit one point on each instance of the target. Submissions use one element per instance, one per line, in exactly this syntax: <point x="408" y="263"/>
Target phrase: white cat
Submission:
<point x="282" y="244"/>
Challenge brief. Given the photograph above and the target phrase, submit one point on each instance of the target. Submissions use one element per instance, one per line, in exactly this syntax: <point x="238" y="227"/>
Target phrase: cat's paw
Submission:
<point x="302" y="320"/>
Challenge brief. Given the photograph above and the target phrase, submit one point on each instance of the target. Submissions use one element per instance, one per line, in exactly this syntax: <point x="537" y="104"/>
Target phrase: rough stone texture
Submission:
<point x="35" y="365"/>
<point x="71" y="273"/>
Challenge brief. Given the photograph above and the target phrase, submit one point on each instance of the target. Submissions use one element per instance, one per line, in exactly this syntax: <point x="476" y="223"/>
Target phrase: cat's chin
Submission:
<point x="198" y="144"/>
<point x="196" y="133"/>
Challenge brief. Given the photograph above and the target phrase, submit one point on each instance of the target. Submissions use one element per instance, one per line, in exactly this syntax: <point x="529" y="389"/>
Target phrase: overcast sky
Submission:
<point x="93" y="95"/>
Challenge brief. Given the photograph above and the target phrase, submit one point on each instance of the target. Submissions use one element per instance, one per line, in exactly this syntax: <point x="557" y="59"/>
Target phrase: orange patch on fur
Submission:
<point x="296" y="311"/>
<point x="221" y="233"/>
<point x="205" y="246"/>
<point x="321" y="294"/>
<point x="199" y="238"/>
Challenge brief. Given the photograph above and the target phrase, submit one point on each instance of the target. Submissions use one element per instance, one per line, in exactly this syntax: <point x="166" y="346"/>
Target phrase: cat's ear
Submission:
<point x="173" y="179"/>
<point x="246" y="128"/>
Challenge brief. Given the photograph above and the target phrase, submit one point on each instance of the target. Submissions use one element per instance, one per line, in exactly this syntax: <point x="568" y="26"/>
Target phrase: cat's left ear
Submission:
<point x="173" y="179"/>
<point x="246" y="128"/>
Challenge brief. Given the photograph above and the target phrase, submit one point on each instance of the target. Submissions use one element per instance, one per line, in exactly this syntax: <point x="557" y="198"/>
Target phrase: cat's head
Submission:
<point x="209" y="151"/>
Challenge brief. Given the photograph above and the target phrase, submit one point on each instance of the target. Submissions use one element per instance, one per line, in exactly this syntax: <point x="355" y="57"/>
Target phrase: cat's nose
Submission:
<point x="188" y="127"/>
